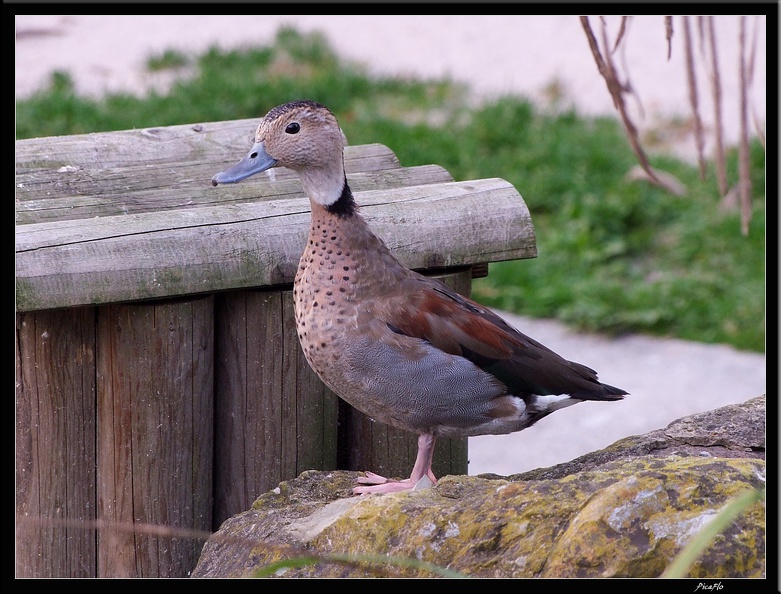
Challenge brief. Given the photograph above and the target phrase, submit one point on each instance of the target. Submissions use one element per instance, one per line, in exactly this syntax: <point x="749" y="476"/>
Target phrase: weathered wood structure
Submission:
<point x="160" y="387"/>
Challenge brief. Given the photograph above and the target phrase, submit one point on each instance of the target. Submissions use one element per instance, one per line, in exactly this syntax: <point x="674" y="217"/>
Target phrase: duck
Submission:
<point x="402" y="348"/>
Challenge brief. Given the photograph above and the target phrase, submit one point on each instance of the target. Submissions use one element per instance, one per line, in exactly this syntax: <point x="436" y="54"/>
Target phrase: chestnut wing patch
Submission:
<point x="433" y="312"/>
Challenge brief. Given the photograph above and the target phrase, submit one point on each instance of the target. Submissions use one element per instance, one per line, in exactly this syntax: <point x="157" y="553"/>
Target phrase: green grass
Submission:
<point x="168" y="60"/>
<point x="614" y="255"/>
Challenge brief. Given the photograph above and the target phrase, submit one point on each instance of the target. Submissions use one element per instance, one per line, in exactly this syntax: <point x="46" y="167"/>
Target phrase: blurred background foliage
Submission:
<point x="615" y="255"/>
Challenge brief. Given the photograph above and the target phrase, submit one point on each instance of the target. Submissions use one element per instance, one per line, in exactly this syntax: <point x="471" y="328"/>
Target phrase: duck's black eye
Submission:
<point x="293" y="128"/>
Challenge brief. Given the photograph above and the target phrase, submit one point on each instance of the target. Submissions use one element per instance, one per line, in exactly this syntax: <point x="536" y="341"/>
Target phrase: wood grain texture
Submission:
<point x="162" y="254"/>
<point x="214" y="145"/>
<point x="55" y="443"/>
<point x="155" y="413"/>
<point x="131" y="192"/>
<point x="131" y="215"/>
<point x="274" y="418"/>
<point x="88" y="175"/>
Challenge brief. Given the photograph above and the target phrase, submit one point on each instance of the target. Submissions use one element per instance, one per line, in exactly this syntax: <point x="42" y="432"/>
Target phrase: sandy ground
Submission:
<point x="494" y="55"/>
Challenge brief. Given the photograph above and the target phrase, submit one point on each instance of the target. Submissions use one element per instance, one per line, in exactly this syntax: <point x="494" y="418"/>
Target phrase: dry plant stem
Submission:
<point x="693" y="100"/>
<point x="627" y="87"/>
<point x="621" y="32"/>
<point x="616" y="92"/>
<point x="608" y="72"/>
<point x="668" y="30"/>
<point x="752" y="57"/>
<point x="745" y="179"/>
<point x="721" y="160"/>
<point x="758" y="127"/>
<point x="159" y="531"/>
<point x="134" y="527"/>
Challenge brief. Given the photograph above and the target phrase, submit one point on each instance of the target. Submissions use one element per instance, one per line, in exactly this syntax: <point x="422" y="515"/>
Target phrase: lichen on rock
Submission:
<point x="626" y="511"/>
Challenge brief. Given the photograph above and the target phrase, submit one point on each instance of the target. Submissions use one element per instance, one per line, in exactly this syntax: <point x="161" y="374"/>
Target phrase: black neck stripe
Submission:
<point x="345" y="206"/>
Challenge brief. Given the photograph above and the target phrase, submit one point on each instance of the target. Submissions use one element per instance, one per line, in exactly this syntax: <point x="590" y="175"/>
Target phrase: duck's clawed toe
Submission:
<point x="386" y="487"/>
<point x="379" y="484"/>
<point x="371" y="479"/>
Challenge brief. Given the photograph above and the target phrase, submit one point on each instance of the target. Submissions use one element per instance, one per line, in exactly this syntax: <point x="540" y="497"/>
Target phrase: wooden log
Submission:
<point x="215" y="145"/>
<point x="119" y="193"/>
<point x="155" y="423"/>
<point x="88" y="175"/>
<point x="56" y="501"/>
<point x="160" y="254"/>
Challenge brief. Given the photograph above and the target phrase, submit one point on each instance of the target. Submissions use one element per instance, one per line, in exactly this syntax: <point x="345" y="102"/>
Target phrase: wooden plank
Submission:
<point x="130" y="192"/>
<point x="67" y="177"/>
<point x="274" y="418"/>
<point x="58" y="160"/>
<point x="248" y="399"/>
<point x="161" y="254"/>
<point x="391" y="452"/>
<point x="155" y="413"/>
<point x="55" y="444"/>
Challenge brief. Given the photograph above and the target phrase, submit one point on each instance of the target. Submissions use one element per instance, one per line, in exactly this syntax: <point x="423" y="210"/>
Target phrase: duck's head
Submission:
<point x="303" y="136"/>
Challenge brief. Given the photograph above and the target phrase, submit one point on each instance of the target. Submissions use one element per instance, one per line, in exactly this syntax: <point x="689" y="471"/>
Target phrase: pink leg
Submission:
<point x="422" y="468"/>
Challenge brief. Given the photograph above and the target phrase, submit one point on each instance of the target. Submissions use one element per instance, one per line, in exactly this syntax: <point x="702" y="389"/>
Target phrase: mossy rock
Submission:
<point x="623" y="517"/>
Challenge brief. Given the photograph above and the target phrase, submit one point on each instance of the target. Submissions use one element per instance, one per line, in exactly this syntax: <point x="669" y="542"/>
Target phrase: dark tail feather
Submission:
<point x="612" y="393"/>
<point x="604" y="392"/>
<point x="615" y="393"/>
